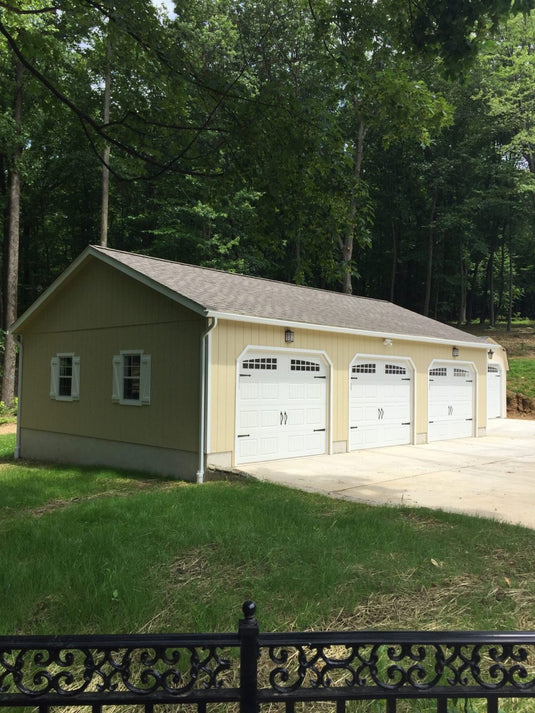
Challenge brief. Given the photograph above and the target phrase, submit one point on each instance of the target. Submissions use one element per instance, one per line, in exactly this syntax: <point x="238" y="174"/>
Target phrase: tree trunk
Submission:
<point x="106" y="153"/>
<point x="430" y="244"/>
<point x="490" y="273"/>
<point x="4" y="196"/>
<point x="470" y="297"/>
<point x="395" y="242"/>
<point x="10" y="349"/>
<point x="464" y="290"/>
<point x="349" y="237"/>
<point x="510" y="301"/>
<point x="501" y="287"/>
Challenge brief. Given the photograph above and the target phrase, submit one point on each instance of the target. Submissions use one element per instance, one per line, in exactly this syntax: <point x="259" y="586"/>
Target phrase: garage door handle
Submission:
<point x="244" y="435"/>
<point x="320" y="377"/>
<point x="316" y="430"/>
<point x="353" y="427"/>
<point x="281" y="418"/>
<point x="407" y="423"/>
<point x="285" y="418"/>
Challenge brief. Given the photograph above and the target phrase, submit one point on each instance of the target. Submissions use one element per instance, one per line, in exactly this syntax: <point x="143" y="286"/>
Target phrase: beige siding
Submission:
<point x="96" y="315"/>
<point x="229" y="340"/>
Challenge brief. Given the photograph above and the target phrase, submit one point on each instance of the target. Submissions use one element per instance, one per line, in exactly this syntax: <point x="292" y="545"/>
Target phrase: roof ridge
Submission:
<point x="241" y="274"/>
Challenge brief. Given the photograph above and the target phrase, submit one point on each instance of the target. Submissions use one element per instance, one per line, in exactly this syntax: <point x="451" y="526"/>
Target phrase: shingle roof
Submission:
<point x="221" y="293"/>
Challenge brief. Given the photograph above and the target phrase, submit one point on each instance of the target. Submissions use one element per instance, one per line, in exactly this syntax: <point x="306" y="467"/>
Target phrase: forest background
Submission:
<point x="381" y="147"/>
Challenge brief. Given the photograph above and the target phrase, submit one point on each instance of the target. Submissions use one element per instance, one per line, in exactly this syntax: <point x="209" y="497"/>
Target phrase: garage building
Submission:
<point x="137" y="362"/>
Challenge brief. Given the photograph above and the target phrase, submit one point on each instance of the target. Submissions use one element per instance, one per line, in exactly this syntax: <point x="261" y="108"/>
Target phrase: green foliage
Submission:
<point x="7" y="412"/>
<point x="294" y="140"/>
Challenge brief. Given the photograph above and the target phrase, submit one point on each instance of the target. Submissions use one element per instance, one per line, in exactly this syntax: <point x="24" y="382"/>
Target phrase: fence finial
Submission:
<point x="249" y="609"/>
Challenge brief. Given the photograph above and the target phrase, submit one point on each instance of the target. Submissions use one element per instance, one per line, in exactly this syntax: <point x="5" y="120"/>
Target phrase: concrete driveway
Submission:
<point x="492" y="476"/>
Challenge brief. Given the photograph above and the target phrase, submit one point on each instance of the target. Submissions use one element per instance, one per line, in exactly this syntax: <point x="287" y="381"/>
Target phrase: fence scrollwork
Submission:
<point x="253" y="668"/>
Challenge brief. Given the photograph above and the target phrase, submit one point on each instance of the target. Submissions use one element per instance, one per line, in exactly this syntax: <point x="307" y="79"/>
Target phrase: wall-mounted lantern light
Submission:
<point x="490" y="353"/>
<point x="455" y="351"/>
<point x="288" y="335"/>
<point x="387" y="342"/>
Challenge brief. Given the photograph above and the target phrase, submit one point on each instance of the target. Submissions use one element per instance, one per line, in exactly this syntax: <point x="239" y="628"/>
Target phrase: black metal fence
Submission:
<point x="250" y="669"/>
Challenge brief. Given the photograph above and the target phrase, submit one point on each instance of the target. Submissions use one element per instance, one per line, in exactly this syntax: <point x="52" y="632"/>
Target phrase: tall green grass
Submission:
<point x="521" y="377"/>
<point x="90" y="550"/>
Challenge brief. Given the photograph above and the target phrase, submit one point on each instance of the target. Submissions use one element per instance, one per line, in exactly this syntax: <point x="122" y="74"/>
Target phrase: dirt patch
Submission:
<point x="136" y="485"/>
<point x="519" y="406"/>
<point x="7" y="428"/>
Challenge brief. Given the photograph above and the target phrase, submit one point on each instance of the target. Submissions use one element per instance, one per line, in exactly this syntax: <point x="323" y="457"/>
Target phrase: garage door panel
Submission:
<point x="451" y="402"/>
<point x="494" y="391"/>
<point x="396" y="412"/>
<point x="380" y="411"/>
<point x="269" y="418"/>
<point x="296" y="392"/>
<point x="249" y="419"/>
<point x="396" y="434"/>
<point x="247" y="449"/>
<point x="370" y="391"/>
<point x="269" y="391"/>
<point x="314" y="416"/>
<point x="249" y="391"/>
<point x="296" y="417"/>
<point x="290" y="405"/>
<point x="268" y="447"/>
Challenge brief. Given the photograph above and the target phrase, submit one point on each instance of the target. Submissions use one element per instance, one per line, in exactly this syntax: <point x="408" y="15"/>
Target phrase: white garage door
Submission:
<point x="380" y="403"/>
<point x="451" y="402"/>
<point x="494" y="391"/>
<point x="281" y="406"/>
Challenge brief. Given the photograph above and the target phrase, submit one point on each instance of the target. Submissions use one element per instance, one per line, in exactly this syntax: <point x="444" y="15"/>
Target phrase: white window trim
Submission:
<point x="144" y="378"/>
<point x="54" y="377"/>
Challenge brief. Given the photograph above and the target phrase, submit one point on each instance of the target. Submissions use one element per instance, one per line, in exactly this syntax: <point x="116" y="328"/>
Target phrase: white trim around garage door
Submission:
<point x="443" y="414"/>
<point x="271" y="358"/>
<point x="376" y="436"/>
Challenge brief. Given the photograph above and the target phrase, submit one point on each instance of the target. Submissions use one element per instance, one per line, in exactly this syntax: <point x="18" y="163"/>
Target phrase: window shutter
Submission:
<point x="75" y="387"/>
<point x="54" y="377"/>
<point x="144" y="383"/>
<point x="117" y="378"/>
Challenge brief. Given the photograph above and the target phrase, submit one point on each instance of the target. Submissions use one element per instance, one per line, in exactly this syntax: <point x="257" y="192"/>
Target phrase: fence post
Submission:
<point x="248" y="633"/>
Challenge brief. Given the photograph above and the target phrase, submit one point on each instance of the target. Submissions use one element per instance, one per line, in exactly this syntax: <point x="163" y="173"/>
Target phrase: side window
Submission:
<point x="65" y="377"/>
<point x="131" y="378"/>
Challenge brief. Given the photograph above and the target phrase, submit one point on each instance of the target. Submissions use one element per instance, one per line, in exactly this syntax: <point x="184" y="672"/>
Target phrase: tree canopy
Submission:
<point x="372" y="146"/>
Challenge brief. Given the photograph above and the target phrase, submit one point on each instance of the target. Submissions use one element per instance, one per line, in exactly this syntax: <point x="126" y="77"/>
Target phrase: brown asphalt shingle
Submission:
<point x="241" y="295"/>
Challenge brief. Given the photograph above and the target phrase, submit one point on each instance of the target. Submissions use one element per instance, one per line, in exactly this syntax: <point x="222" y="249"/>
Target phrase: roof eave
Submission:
<point x="232" y="317"/>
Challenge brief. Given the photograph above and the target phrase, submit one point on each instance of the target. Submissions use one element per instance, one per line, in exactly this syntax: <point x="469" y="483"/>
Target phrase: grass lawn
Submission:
<point x="521" y="376"/>
<point x="88" y="550"/>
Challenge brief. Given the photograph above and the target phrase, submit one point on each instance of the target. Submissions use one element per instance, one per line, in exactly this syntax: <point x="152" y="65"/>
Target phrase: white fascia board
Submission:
<point x="342" y="330"/>
<point x="90" y="251"/>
